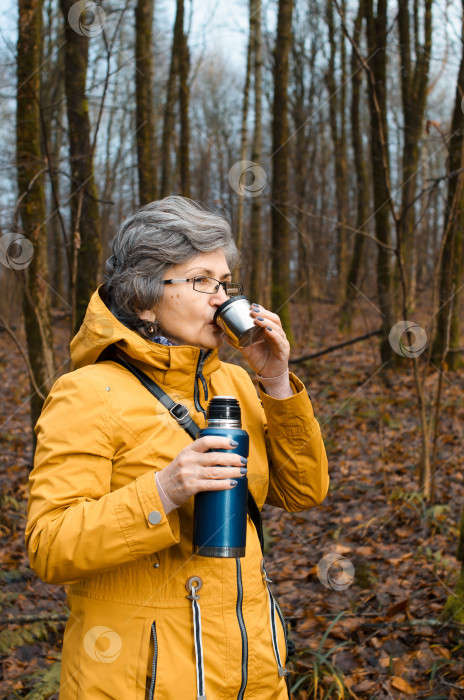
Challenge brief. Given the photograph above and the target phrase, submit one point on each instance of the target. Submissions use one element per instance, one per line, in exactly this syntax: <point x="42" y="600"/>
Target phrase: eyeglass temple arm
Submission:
<point x="189" y="279"/>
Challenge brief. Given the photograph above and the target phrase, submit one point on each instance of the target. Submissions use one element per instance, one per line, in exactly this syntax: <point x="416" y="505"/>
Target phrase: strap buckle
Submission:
<point x="181" y="417"/>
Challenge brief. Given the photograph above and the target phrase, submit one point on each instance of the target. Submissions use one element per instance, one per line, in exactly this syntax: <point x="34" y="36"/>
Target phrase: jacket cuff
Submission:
<point x="295" y="412"/>
<point x="151" y="529"/>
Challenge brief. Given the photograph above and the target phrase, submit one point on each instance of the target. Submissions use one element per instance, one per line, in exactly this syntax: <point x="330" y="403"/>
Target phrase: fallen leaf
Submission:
<point x="397" y="607"/>
<point x="401" y="684"/>
<point x="341" y="548"/>
<point x="364" y="686"/>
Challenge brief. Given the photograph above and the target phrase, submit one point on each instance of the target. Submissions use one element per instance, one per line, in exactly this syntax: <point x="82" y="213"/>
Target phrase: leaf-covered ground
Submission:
<point x="392" y="556"/>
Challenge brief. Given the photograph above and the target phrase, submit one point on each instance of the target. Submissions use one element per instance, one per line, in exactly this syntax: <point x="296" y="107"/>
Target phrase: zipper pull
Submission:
<point x="202" y="358"/>
<point x="200" y="370"/>
<point x="264" y="572"/>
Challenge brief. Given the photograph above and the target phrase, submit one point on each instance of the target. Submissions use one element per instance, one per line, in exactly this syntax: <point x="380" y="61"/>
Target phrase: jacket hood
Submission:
<point x="101" y="328"/>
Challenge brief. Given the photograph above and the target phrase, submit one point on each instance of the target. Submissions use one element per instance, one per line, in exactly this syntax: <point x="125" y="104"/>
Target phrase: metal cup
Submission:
<point x="233" y="317"/>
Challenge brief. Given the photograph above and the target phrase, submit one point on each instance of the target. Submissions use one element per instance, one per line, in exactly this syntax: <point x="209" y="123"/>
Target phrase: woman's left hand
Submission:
<point x="269" y="355"/>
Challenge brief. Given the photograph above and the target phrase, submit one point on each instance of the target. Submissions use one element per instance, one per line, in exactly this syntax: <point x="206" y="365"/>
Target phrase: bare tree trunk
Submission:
<point x="414" y="81"/>
<point x="108" y="214"/>
<point x="280" y="226"/>
<point x="362" y="183"/>
<point x="451" y="267"/>
<point x="145" y="118"/>
<point x="51" y="115"/>
<point x="184" y="94"/>
<point x="376" y="33"/>
<point x="256" y="248"/>
<point x="337" y="101"/>
<point x="169" y="109"/>
<point x="85" y="215"/>
<point x="244" y="136"/>
<point x="304" y="154"/>
<point x="31" y="206"/>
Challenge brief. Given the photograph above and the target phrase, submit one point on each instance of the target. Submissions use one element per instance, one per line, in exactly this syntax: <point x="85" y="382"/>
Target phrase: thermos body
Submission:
<point x="220" y="517"/>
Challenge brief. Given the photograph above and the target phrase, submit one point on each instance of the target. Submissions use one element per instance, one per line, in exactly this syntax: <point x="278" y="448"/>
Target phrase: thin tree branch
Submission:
<point x="336" y="347"/>
<point x="18" y="344"/>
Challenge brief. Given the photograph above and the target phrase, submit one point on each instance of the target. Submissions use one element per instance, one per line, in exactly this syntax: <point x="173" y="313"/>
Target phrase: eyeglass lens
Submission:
<point x="209" y="285"/>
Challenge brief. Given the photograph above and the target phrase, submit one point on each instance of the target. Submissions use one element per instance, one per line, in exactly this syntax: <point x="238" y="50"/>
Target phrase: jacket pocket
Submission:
<point x="147" y="659"/>
<point x="151" y="680"/>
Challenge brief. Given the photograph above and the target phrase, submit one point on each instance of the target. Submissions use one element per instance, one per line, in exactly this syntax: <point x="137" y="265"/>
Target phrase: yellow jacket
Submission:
<point x="100" y="439"/>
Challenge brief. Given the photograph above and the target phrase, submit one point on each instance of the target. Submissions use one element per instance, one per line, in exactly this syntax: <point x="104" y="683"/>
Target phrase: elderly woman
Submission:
<point x="111" y="493"/>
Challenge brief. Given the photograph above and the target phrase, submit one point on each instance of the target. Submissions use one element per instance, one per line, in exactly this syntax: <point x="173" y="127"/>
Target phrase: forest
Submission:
<point x="331" y="134"/>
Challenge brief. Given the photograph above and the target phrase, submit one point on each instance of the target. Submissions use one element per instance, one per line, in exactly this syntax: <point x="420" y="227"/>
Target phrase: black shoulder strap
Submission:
<point x="181" y="414"/>
<point x="177" y="410"/>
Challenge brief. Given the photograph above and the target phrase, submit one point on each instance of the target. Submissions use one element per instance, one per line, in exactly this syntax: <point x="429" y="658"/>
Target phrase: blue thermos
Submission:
<point x="220" y="517"/>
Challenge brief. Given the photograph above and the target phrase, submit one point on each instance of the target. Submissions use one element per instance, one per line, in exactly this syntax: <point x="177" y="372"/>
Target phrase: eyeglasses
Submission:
<point x="209" y="285"/>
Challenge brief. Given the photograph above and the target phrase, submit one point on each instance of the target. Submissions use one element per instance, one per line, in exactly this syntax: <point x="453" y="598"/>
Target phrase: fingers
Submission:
<point x="215" y="470"/>
<point x="185" y="480"/>
<point x="217" y="459"/>
<point x="271" y="322"/>
<point x="222" y="459"/>
<point x="226" y="472"/>
<point x="196" y="469"/>
<point x="213" y="442"/>
<point x="271" y="328"/>
<point x="218" y="485"/>
<point x="268" y="317"/>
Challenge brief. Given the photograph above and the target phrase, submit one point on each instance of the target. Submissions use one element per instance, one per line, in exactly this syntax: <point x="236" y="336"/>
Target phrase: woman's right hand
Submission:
<point x="195" y="469"/>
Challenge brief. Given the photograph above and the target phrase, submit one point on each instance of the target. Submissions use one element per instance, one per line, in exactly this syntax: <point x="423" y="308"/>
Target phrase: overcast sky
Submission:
<point x="216" y="24"/>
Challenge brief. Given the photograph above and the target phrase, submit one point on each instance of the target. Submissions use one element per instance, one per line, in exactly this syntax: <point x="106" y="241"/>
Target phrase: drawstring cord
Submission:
<point x="193" y="585"/>
<point x="272" y="611"/>
<point x="280" y="667"/>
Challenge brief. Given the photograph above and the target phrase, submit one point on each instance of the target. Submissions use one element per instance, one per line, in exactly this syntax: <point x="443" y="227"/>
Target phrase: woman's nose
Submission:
<point x="220" y="296"/>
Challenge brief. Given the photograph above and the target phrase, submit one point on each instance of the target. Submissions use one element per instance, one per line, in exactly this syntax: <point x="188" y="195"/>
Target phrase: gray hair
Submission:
<point x="167" y="232"/>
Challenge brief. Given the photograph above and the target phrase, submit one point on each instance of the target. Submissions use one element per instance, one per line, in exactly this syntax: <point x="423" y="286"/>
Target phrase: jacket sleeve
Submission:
<point x="76" y="525"/>
<point x="298" y="468"/>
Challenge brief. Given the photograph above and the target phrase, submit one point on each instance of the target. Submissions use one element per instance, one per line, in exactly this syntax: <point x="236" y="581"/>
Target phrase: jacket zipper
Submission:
<point x="243" y="631"/>
<point x="203" y="356"/>
<point x="154" y="663"/>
